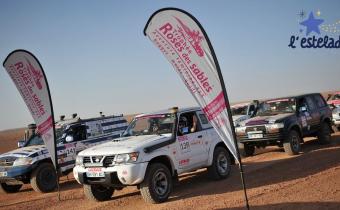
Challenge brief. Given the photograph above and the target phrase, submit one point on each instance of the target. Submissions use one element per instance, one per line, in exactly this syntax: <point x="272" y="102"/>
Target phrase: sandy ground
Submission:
<point x="274" y="180"/>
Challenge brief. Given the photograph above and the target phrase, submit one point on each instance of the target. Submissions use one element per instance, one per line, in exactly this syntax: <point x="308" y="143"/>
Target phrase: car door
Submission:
<point x="71" y="147"/>
<point x="190" y="144"/>
<point x="304" y="115"/>
<point x="314" y="114"/>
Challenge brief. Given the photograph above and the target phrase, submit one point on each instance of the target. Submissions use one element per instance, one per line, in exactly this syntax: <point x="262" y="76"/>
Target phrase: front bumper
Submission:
<point x="12" y="173"/>
<point x="118" y="175"/>
<point x="267" y="137"/>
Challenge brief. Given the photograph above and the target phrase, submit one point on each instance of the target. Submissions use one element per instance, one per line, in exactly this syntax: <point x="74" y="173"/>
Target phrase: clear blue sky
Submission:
<point x="96" y="57"/>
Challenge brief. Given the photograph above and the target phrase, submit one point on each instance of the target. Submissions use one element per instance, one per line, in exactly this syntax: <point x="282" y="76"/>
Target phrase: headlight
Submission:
<point x="275" y="126"/>
<point x="79" y="160"/>
<point x="240" y="130"/>
<point x="21" y="161"/>
<point x="126" y="158"/>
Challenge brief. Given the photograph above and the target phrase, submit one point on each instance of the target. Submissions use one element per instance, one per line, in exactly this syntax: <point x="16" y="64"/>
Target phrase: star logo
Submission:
<point x="312" y="24"/>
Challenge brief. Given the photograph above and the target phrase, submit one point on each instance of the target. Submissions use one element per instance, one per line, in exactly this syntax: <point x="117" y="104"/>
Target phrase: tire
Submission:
<point x="221" y="165"/>
<point x="98" y="192"/>
<point x="157" y="184"/>
<point x="324" y="134"/>
<point x="246" y="150"/>
<point x="44" y="178"/>
<point x="6" y="188"/>
<point x="292" y="145"/>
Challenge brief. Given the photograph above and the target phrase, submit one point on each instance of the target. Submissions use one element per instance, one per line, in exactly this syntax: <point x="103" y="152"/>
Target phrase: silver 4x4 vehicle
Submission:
<point x="31" y="163"/>
<point x="243" y="111"/>
<point x="151" y="153"/>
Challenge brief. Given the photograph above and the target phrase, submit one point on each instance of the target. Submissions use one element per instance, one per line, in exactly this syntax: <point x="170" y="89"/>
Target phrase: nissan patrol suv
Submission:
<point x="152" y="152"/>
<point x="285" y="122"/>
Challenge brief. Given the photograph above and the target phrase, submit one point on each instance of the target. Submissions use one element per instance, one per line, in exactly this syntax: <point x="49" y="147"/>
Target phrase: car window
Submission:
<point x="78" y="132"/>
<point x="34" y="140"/>
<point x="319" y="101"/>
<point x="188" y="123"/>
<point x="203" y="119"/>
<point x="310" y="103"/>
<point x="251" y="109"/>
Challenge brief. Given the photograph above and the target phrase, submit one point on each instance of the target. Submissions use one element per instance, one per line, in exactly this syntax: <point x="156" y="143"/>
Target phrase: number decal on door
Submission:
<point x="185" y="146"/>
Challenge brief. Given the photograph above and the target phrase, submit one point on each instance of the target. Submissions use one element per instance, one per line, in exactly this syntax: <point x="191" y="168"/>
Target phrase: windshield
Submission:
<point x="156" y="124"/>
<point x="278" y="106"/>
<point x="34" y="140"/>
<point x="239" y="110"/>
<point x="58" y="132"/>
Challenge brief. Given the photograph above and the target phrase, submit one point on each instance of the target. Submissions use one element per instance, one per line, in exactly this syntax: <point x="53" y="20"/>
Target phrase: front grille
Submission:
<point x="256" y="128"/>
<point x="96" y="159"/>
<point x="108" y="161"/>
<point x="87" y="160"/>
<point x="93" y="161"/>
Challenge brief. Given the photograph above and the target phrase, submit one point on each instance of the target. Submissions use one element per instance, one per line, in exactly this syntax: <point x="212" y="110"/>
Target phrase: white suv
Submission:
<point x="152" y="152"/>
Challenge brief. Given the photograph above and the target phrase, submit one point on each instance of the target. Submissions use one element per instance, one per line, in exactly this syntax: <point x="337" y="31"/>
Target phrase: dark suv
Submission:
<point x="285" y="122"/>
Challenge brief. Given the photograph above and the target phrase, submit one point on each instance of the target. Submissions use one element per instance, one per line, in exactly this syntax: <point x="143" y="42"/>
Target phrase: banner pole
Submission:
<point x="59" y="199"/>
<point x="232" y="126"/>
<point x="228" y="110"/>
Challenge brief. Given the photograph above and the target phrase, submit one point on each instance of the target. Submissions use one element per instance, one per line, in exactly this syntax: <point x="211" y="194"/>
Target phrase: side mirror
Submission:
<point x="303" y="109"/>
<point x="69" y="139"/>
<point x="21" y="143"/>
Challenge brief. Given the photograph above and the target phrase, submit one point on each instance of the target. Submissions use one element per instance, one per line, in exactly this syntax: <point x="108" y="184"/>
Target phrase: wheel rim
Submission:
<point x="295" y="143"/>
<point x="222" y="163"/>
<point x="160" y="183"/>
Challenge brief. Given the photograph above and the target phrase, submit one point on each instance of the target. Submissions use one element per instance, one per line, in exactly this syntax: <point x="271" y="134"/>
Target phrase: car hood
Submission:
<point x="125" y="145"/>
<point x="261" y="120"/>
<point x="24" y="151"/>
<point x="239" y="118"/>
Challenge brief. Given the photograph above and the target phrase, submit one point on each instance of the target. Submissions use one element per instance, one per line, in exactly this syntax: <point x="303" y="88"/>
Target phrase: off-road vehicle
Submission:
<point x="152" y="152"/>
<point x="31" y="162"/>
<point x="285" y="122"/>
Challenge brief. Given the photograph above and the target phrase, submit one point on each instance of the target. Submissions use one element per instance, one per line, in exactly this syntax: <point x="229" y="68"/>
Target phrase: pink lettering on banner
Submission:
<point x="215" y="107"/>
<point x="45" y="126"/>
<point x="178" y="43"/>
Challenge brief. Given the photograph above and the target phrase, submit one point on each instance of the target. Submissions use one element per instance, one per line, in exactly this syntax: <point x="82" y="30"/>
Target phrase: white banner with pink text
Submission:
<point x="29" y="78"/>
<point x="180" y="38"/>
